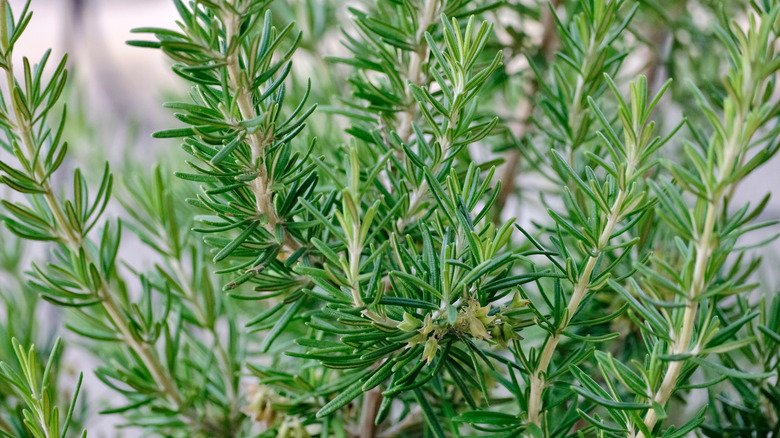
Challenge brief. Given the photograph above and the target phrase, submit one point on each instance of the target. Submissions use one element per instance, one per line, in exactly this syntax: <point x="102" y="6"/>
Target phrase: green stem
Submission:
<point x="683" y="339"/>
<point x="705" y="245"/>
<point x="581" y="288"/>
<point x="355" y="249"/>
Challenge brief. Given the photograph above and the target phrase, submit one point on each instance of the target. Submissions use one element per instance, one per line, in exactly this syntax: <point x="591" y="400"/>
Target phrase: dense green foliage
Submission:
<point x="337" y="254"/>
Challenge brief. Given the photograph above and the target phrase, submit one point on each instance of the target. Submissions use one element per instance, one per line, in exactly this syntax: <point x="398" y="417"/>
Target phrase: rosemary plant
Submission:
<point x="337" y="255"/>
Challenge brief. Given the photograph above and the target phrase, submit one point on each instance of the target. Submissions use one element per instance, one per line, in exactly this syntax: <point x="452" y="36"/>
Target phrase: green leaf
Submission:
<point x="235" y="243"/>
<point x="487" y="417"/>
<point x="730" y="371"/>
<point x="407" y="302"/>
<point x="430" y="417"/>
<point x="281" y="323"/>
<point x="349" y="394"/>
<point x="414" y="281"/>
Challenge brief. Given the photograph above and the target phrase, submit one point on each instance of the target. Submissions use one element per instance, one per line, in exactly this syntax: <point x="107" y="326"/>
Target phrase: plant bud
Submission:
<point x="409" y="323"/>
<point x="429" y="352"/>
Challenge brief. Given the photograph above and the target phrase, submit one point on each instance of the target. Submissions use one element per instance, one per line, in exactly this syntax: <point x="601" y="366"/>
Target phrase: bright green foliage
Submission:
<point x="590" y="49"/>
<point x="338" y="257"/>
<point x="678" y="290"/>
<point x="140" y="341"/>
<point x="42" y="418"/>
<point x="410" y="299"/>
<point x="32" y="404"/>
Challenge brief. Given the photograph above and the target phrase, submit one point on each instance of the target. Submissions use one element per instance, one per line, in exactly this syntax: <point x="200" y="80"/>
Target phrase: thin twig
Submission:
<point x="538" y="378"/>
<point x="414" y="74"/>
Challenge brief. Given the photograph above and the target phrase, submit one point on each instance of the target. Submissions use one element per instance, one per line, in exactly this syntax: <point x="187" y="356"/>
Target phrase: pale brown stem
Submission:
<point x="414" y="74"/>
<point x="258" y="140"/>
<point x="371" y="401"/>
<point x="524" y="111"/>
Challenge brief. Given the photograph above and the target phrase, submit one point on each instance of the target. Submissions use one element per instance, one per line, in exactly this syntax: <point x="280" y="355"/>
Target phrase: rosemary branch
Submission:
<point x="415" y="76"/>
<point x="258" y="140"/>
<point x="705" y="244"/>
<point x="23" y="129"/>
<point x="581" y="288"/>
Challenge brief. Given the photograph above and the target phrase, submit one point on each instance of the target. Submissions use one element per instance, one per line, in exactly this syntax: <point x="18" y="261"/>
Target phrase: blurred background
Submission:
<point x="93" y="34"/>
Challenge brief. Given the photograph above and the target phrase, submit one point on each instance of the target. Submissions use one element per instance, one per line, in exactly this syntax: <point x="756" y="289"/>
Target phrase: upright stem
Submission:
<point x="577" y="108"/>
<point x="161" y="378"/>
<point x="258" y="140"/>
<point x="40" y="415"/>
<point x="414" y="75"/>
<point x="22" y="128"/>
<point x="705" y="244"/>
<point x="420" y="192"/>
<point x="524" y="111"/>
<point x="682" y="341"/>
<point x="371" y="402"/>
<point x="581" y="288"/>
<point x="355" y="249"/>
